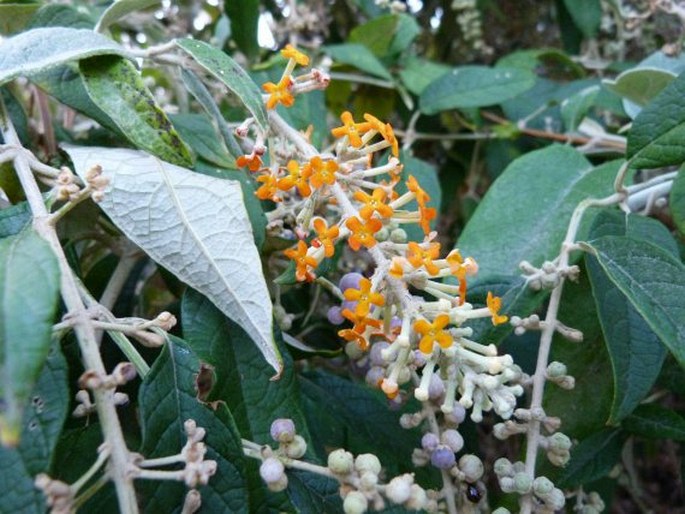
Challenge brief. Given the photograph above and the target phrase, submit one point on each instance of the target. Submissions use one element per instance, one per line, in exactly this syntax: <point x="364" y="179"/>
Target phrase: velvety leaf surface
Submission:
<point x="677" y="201"/>
<point x="586" y="15"/>
<point x="44" y="415"/>
<point x="225" y="69"/>
<point x="525" y="214"/>
<point x="42" y="48"/>
<point x="168" y="397"/>
<point x="640" y="85"/>
<point x="655" y="422"/>
<point x="14" y="16"/>
<point x="474" y="86"/>
<point x="653" y="280"/>
<point x="119" y="9"/>
<point x="593" y="458"/>
<point x="635" y="350"/>
<point x="29" y="288"/>
<point x="195" y="226"/>
<point x="417" y="73"/>
<point x="244" y="18"/>
<point x="116" y="87"/>
<point x="313" y="493"/>
<point x="656" y="134"/>
<point x="198" y="132"/>
<point x="358" y="56"/>
<point x="13" y="219"/>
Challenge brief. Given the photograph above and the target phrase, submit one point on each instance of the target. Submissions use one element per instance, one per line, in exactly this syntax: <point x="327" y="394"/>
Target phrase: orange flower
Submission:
<point x="290" y="52"/>
<point x="418" y="257"/>
<point x="494" y="305"/>
<point x="268" y="189"/>
<point x="460" y="268"/>
<point x="302" y="261"/>
<point x="351" y="129"/>
<point x="297" y="178"/>
<point x="426" y="214"/>
<point x="322" y="172"/>
<point x="373" y="203"/>
<point x="396" y="268"/>
<point x="325" y="236"/>
<point x="362" y="234"/>
<point x="422" y="197"/>
<point x="252" y="161"/>
<point x="433" y="332"/>
<point x="280" y="93"/>
<point x="361" y="331"/>
<point x="364" y="297"/>
<point x="385" y="130"/>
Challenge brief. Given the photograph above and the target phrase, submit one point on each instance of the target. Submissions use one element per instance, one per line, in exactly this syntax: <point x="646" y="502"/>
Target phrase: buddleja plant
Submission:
<point x="229" y="282"/>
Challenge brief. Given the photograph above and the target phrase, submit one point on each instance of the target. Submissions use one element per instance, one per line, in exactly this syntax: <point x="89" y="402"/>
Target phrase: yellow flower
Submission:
<point x="302" y="261"/>
<point x="385" y="130"/>
<point x="396" y="268"/>
<point x="269" y="188"/>
<point x="494" y="305"/>
<point x="297" y="177"/>
<point x="290" y="52"/>
<point x="351" y="129"/>
<point x="374" y="202"/>
<point x="362" y="233"/>
<point x="418" y="257"/>
<point x="364" y="297"/>
<point x="433" y="332"/>
<point x="325" y="236"/>
<point x="252" y="161"/>
<point x="321" y="172"/>
<point x="279" y="93"/>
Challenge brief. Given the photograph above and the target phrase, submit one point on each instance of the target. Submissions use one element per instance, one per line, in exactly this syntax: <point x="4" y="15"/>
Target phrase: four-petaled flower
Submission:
<point x="361" y="331"/>
<point x="374" y="202"/>
<point x="303" y="262"/>
<point x="325" y="236"/>
<point x="351" y="129"/>
<point x="418" y="257"/>
<point x="269" y="188"/>
<point x="297" y="177"/>
<point x="461" y="267"/>
<point x="385" y="130"/>
<point x="290" y="52"/>
<point x="426" y="214"/>
<point x="362" y="233"/>
<point x="279" y="93"/>
<point x="494" y="304"/>
<point x="433" y="332"/>
<point x="322" y="172"/>
<point x="397" y="267"/>
<point x="252" y="161"/>
<point x="364" y="297"/>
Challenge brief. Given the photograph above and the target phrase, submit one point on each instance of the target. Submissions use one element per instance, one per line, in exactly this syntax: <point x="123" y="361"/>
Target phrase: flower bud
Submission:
<point x="429" y="442"/>
<point x="472" y="467"/>
<point x="368" y="481"/>
<point x="297" y="448"/>
<point x="398" y="236"/>
<point x="503" y="467"/>
<point x="382" y="234"/>
<point x="398" y="489"/>
<point x="353" y="351"/>
<point x="522" y="483"/>
<point x="279" y="485"/>
<point x="556" y="369"/>
<point x="458" y="414"/>
<point x="374" y="376"/>
<point x="452" y="439"/>
<point x="335" y="316"/>
<point x="282" y="430"/>
<point x="542" y="486"/>
<point x="417" y="498"/>
<point x="355" y="503"/>
<point x="556" y="499"/>
<point x="375" y="354"/>
<point x="559" y="458"/>
<point x="501" y="510"/>
<point x="443" y="458"/>
<point x="559" y="442"/>
<point x="367" y="462"/>
<point x="271" y="470"/>
<point x="340" y="462"/>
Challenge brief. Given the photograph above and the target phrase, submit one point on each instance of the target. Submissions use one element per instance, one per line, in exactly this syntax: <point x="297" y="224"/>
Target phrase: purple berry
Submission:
<point x="429" y="442"/>
<point x="374" y="376"/>
<point x="395" y="322"/>
<point x="283" y="430"/>
<point x="334" y="315"/>
<point x="350" y="281"/>
<point x="443" y="458"/>
<point x="375" y="353"/>
<point x="271" y="470"/>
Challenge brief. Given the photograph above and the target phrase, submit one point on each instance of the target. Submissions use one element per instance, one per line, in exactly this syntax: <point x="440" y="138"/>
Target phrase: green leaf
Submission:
<point x="640" y="85"/>
<point x="593" y="458"/>
<point x="574" y="108"/>
<point x="474" y="86"/>
<point x="42" y="424"/>
<point x="15" y="16"/>
<point x="120" y="8"/>
<point x="116" y="87"/>
<point x="417" y="73"/>
<point x="13" y="219"/>
<point x="61" y="15"/>
<point x="586" y="15"/>
<point x="309" y="492"/>
<point x="195" y="226"/>
<point x="676" y="201"/>
<point x="376" y="34"/>
<point x="244" y="17"/>
<point x="653" y="421"/>
<point x="29" y="288"/>
<point x="167" y="398"/>
<point x="358" y="56"/>
<point x="41" y="49"/>
<point x="658" y="131"/>
<point x="525" y="213"/>
<point x="242" y="378"/>
<point x="653" y="280"/>
<point x="635" y="350"/>
<point x="222" y="67"/>
<point x="551" y="63"/>
<point x="197" y="130"/>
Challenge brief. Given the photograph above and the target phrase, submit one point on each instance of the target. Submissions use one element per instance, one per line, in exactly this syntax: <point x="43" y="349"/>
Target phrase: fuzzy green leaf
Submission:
<point x="120" y="8"/>
<point x="197" y="130"/>
<point x="116" y="87"/>
<point x="677" y="201"/>
<point x="474" y="86"/>
<point x="244" y="17"/>
<point x="586" y="15"/>
<point x="653" y="280"/>
<point x="593" y="458"/>
<point x="14" y="16"/>
<point x="43" y="48"/>
<point x="29" y="288"/>
<point x="359" y="56"/>
<point x="655" y="422"/>
<point x="168" y="397"/>
<point x="222" y="67"/>
<point x="417" y="74"/>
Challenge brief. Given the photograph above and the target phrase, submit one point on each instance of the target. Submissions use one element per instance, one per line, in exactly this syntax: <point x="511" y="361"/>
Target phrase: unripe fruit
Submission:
<point x="297" y="448"/>
<point x="429" y="442"/>
<point x="335" y="316"/>
<point x="472" y="467"/>
<point x="398" y="235"/>
<point x="443" y="458"/>
<point x="398" y="489"/>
